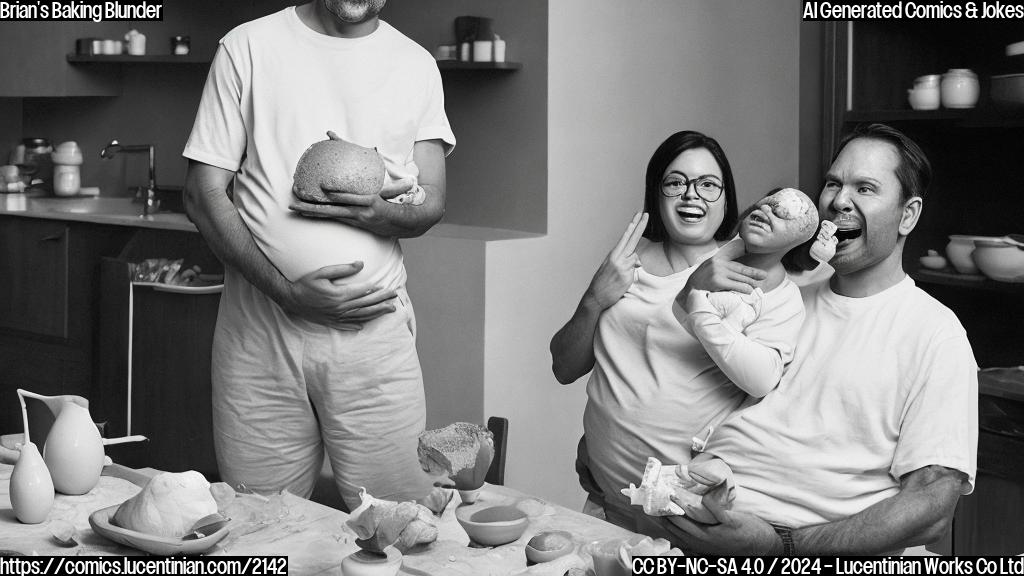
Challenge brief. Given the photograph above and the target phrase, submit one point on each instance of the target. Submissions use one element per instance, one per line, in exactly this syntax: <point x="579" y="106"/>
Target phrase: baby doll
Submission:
<point x="749" y="336"/>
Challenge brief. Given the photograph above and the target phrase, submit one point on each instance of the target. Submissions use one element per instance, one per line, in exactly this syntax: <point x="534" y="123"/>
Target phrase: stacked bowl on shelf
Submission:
<point x="1000" y="258"/>
<point x="1008" y="89"/>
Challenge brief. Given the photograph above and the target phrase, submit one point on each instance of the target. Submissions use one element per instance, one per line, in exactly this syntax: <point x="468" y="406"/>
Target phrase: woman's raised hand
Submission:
<point x="615" y="274"/>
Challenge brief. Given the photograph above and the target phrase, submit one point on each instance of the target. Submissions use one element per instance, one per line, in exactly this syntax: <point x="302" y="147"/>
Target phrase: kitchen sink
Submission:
<point x="168" y="199"/>
<point x="80" y="205"/>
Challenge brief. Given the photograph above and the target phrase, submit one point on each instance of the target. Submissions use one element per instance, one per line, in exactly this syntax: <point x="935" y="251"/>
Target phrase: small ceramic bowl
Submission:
<point x="493" y="525"/>
<point x="933" y="261"/>
<point x="549" y="545"/>
<point x="363" y="563"/>
<point x="999" y="260"/>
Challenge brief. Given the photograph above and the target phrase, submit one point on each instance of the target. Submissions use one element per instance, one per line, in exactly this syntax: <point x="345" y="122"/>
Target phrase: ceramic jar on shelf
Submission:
<point x="925" y="93"/>
<point x="959" y="88"/>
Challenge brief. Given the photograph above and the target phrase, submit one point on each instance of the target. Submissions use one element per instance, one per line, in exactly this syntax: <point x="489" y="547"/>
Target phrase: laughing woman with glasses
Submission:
<point x="652" y="387"/>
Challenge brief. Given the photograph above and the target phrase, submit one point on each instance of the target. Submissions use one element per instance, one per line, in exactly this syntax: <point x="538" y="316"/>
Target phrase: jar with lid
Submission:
<point x="960" y="88"/>
<point x="67" y="175"/>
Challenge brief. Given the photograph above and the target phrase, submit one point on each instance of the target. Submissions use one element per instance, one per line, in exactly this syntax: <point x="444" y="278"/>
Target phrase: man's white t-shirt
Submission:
<point x="275" y="88"/>
<point x="879" y="387"/>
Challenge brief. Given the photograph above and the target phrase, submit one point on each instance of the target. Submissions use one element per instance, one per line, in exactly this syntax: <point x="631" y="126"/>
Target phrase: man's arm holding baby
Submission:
<point x="376" y="214"/>
<point x="323" y="296"/>
<point x="919" y="514"/>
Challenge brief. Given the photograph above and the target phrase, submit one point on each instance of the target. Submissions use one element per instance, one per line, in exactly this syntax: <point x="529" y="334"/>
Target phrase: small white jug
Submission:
<point x="31" y="488"/>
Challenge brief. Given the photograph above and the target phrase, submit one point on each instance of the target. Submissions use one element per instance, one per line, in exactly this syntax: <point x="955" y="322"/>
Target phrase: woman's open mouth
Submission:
<point x="691" y="213"/>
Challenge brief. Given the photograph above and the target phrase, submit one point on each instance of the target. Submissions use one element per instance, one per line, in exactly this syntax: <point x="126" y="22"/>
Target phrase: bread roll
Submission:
<point x="382" y="523"/>
<point x="169" y="505"/>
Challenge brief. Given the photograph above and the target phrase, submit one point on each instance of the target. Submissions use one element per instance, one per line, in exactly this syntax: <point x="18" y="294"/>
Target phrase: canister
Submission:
<point x="482" y="50"/>
<point x="959" y="88"/>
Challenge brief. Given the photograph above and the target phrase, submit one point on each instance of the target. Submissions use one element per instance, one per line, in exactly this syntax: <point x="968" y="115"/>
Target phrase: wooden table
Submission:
<point x="314" y="537"/>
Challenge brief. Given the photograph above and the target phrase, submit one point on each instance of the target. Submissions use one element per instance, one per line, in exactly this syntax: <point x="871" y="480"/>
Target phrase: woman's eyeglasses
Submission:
<point x="709" y="188"/>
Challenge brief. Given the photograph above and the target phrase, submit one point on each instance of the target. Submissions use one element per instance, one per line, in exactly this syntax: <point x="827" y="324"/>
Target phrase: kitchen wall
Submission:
<point x="496" y="177"/>
<point x="622" y="77"/>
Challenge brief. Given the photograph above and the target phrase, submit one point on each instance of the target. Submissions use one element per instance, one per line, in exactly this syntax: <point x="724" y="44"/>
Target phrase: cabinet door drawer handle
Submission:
<point x="53" y="238"/>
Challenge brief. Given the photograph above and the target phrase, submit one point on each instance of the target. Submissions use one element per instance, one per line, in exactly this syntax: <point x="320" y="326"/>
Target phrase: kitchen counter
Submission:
<point x="314" y="537"/>
<point x="94" y="209"/>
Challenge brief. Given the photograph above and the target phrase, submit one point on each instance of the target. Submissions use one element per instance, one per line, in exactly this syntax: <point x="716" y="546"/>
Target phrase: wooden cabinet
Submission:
<point x="70" y="322"/>
<point x="34" y="277"/>
<point x="48" y="281"/>
<point x="977" y="189"/>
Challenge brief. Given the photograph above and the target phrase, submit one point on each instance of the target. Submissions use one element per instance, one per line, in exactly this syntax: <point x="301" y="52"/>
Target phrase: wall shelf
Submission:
<point x="459" y="65"/>
<point x="128" y="59"/>
<point x="968" y="118"/>
<point x="968" y="281"/>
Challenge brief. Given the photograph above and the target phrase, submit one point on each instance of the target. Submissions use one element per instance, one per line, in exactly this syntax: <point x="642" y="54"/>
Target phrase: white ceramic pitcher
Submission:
<point x="73" y="450"/>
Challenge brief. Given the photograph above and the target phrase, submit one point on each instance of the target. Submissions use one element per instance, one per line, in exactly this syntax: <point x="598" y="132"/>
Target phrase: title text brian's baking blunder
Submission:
<point x="97" y="12"/>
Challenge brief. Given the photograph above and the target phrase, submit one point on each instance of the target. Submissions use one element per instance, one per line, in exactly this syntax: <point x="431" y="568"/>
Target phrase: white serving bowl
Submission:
<point x="999" y="260"/>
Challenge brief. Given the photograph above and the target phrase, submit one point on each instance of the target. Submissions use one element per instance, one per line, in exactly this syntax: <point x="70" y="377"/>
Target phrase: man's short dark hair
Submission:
<point x="914" y="171"/>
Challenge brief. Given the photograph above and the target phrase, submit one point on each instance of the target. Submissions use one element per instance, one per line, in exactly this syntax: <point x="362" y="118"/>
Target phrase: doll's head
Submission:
<point x="779" y="222"/>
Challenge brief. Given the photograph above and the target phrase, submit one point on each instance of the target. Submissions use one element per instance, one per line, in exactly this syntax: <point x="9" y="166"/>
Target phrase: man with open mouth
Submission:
<point x="871" y="436"/>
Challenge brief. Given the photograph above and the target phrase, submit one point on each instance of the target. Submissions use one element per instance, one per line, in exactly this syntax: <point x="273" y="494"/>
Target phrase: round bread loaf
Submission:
<point x="335" y="165"/>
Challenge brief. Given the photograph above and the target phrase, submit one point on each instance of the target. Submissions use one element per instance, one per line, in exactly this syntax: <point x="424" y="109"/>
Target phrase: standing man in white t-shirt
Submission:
<point x="871" y="436"/>
<point x="315" y="338"/>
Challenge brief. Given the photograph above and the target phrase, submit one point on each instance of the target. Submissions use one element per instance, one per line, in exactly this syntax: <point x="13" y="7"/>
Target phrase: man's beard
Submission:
<point x="370" y="8"/>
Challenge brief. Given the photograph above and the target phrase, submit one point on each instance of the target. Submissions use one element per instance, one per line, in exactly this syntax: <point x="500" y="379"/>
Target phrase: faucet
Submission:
<point x="149" y="196"/>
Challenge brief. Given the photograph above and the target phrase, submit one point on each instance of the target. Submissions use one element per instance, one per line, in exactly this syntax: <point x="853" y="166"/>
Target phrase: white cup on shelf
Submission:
<point x="483" y="51"/>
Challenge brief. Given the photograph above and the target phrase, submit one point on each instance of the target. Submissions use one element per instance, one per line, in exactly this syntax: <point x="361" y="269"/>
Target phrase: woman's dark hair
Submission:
<point x="914" y="172"/>
<point x="672" y="147"/>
